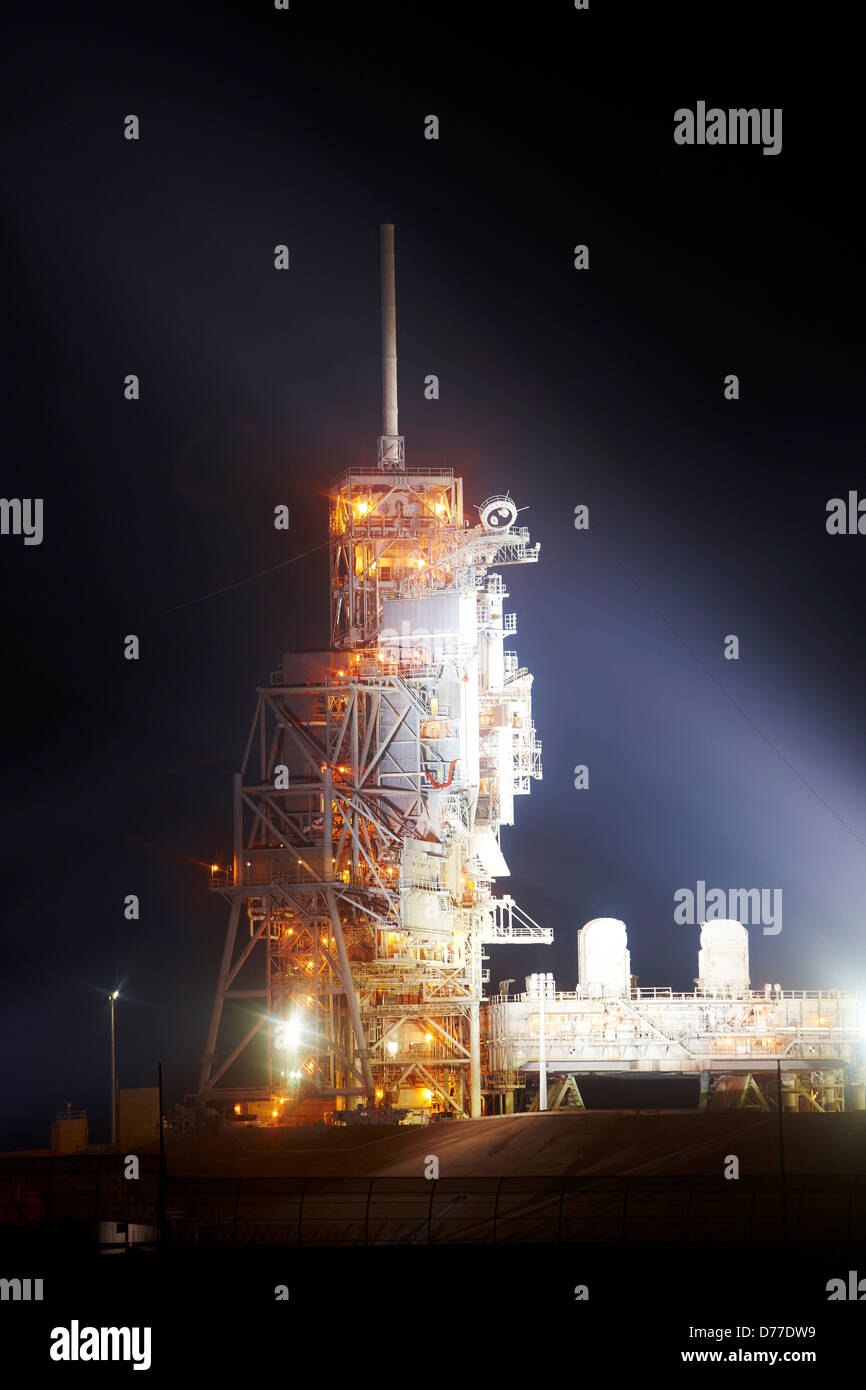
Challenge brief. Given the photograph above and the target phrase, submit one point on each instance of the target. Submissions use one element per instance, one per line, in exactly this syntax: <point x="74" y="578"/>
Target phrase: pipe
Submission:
<point x="439" y="785"/>
<point x="389" y="330"/>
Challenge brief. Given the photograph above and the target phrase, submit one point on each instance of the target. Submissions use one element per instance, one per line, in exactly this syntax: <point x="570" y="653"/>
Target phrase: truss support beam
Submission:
<point x="204" y="1081"/>
<point x="351" y="995"/>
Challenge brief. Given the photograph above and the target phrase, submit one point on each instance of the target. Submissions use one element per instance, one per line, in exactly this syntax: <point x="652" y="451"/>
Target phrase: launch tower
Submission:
<point x="368" y="807"/>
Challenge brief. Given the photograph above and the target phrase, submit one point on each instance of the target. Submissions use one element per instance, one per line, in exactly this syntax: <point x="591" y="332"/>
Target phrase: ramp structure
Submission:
<point x="745" y="1045"/>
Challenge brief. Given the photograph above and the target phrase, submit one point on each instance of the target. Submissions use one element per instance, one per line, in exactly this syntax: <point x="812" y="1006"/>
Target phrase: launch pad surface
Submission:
<point x="612" y="1142"/>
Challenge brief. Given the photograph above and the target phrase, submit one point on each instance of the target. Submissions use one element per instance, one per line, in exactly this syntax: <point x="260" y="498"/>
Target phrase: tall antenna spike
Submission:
<point x="392" y="453"/>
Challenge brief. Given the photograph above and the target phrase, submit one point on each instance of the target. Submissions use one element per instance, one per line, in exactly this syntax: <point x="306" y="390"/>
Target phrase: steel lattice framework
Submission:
<point x="367" y="810"/>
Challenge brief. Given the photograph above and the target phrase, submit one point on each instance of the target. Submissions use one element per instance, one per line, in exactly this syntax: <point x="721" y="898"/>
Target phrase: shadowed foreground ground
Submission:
<point x="590" y="1143"/>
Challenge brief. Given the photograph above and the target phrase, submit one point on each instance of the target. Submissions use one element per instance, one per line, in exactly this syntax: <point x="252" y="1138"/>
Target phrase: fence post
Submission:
<point x="496" y="1207"/>
<point x="98" y="1194"/>
<point x="160" y="1191"/>
<point x="559" y="1218"/>
<point x="49" y="1194"/>
<point x="367" y="1213"/>
<point x="237" y="1204"/>
<point x="799" y="1230"/>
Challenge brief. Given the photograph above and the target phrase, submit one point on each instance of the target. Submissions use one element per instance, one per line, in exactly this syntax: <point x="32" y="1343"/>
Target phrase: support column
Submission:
<point x="238" y="827"/>
<point x="704" y="1100"/>
<point x="475" y="1060"/>
<point x="475" y="1024"/>
<point x="327" y="825"/>
<point x="355" y="819"/>
<point x="225" y="965"/>
<point x="351" y="995"/>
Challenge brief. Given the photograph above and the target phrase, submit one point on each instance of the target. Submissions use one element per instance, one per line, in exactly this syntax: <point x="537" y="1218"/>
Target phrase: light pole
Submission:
<point x="542" y="1051"/>
<point x="111" y="999"/>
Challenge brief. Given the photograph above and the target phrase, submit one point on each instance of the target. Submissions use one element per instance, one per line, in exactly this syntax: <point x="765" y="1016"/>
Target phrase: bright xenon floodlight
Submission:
<point x="288" y="1035"/>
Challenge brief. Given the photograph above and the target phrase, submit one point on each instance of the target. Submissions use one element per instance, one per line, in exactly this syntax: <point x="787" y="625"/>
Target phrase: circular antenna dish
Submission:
<point x="498" y="514"/>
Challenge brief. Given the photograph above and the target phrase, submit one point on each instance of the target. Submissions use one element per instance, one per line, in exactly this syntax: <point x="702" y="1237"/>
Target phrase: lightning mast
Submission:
<point x="376" y="777"/>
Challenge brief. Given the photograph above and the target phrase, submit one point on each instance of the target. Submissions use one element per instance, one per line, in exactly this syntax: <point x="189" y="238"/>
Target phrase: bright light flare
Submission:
<point x="288" y="1035"/>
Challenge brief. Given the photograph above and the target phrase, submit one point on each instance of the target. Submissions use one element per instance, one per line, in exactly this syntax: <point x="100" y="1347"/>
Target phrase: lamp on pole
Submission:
<point x="111" y="998"/>
<point x="542" y="1050"/>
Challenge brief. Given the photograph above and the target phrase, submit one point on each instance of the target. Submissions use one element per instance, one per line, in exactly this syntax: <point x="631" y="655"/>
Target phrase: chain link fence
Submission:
<point x="87" y="1198"/>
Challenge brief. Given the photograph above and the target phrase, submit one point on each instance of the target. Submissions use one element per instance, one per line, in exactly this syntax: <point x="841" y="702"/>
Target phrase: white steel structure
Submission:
<point x="375" y="780"/>
<point x="722" y="1029"/>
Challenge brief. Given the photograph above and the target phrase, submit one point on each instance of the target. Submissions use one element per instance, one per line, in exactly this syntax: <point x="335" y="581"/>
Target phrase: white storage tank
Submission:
<point x="723" y="960"/>
<point x="603" y="959"/>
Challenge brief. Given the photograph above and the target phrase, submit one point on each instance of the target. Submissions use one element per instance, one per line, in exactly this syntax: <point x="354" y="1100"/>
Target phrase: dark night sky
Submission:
<point x="605" y="388"/>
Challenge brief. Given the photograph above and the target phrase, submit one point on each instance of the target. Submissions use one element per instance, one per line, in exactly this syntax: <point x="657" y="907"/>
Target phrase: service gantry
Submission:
<point x="367" y="810"/>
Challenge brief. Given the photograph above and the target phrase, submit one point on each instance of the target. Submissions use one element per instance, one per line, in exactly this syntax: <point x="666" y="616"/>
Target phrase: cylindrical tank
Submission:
<point x="603" y="960"/>
<point x="723" y="960"/>
<point x="790" y="1099"/>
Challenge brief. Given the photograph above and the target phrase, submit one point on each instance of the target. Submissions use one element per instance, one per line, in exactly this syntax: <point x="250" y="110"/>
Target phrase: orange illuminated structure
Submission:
<point x="368" y="808"/>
